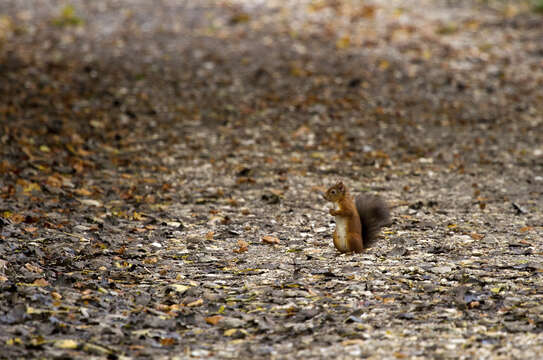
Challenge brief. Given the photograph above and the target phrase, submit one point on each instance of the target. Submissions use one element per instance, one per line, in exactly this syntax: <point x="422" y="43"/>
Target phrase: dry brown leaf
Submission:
<point x="40" y="282"/>
<point x="83" y="192"/>
<point x="475" y="236"/>
<point x="302" y="130"/>
<point x="277" y="192"/>
<point x="270" y="240"/>
<point x="54" y="181"/>
<point x="17" y="218"/>
<point x="213" y="320"/>
<point x="352" y="342"/>
<point x="526" y="228"/>
<point x="209" y="235"/>
<point x="33" y="268"/>
<point x="243" y="247"/>
<point x="167" y="341"/>
<point x="474" y="304"/>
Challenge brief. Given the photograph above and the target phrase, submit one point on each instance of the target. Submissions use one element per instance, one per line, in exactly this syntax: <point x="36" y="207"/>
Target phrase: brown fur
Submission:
<point x="362" y="219"/>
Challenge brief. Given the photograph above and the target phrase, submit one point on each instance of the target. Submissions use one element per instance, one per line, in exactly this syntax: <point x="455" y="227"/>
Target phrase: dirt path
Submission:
<point x="146" y="148"/>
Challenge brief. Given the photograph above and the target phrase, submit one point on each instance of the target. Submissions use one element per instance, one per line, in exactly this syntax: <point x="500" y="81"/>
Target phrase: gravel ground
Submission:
<point x="148" y="148"/>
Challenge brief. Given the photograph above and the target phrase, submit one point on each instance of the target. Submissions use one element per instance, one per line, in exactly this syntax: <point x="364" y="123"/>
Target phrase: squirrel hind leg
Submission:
<point x="356" y="243"/>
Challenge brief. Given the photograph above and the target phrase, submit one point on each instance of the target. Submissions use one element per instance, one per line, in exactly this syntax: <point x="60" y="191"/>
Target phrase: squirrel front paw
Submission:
<point x="332" y="212"/>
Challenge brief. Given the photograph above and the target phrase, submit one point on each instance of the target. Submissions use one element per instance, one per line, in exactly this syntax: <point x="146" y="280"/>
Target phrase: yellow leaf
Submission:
<point x="30" y="311"/>
<point x="496" y="290"/>
<point x="37" y="341"/>
<point x="138" y="216"/>
<point x="66" y="344"/>
<point x="343" y="42"/>
<point x="14" y="341"/>
<point x="230" y="332"/>
<point x="31" y="187"/>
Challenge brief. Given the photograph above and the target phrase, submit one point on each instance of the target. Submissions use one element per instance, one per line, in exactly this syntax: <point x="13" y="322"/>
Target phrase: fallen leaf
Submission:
<point x="96" y="349"/>
<point x="33" y="268"/>
<point x="66" y="344"/>
<point x="270" y="240"/>
<point x="230" y="332"/>
<point x="474" y="304"/>
<point x="90" y="202"/>
<point x="83" y="192"/>
<point x="243" y="247"/>
<point x="138" y="216"/>
<point x="213" y="320"/>
<point x="196" y="303"/>
<point x="167" y="341"/>
<point x="54" y="181"/>
<point x="302" y="130"/>
<point x="180" y="288"/>
<point x="28" y="186"/>
<point x="476" y="236"/>
<point x="343" y="42"/>
<point x="352" y="342"/>
<point x="40" y="282"/>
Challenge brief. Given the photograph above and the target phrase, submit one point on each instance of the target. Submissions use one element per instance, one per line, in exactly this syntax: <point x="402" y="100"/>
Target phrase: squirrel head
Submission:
<point x="336" y="192"/>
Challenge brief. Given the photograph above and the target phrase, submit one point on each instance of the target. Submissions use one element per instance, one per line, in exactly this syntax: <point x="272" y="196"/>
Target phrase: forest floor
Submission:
<point x="148" y="147"/>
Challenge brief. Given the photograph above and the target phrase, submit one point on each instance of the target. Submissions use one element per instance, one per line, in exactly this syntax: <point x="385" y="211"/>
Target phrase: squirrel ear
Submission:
<point x="340" y="185"/>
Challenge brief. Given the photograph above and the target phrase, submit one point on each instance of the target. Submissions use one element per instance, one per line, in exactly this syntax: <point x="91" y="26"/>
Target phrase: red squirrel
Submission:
<point x="357" y="223"/>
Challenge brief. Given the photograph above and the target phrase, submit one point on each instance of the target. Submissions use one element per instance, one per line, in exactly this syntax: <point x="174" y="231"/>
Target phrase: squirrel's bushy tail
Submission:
<point x="374" y="213"/>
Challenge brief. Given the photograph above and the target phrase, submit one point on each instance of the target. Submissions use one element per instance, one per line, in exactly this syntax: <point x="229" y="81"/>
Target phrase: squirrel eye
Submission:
<point x="333" y="191"/>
